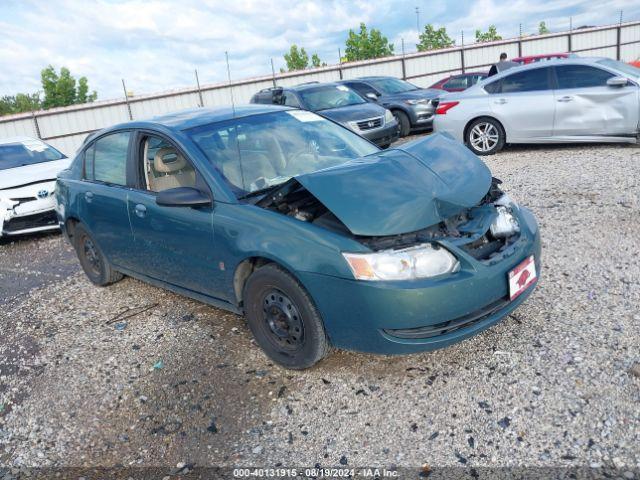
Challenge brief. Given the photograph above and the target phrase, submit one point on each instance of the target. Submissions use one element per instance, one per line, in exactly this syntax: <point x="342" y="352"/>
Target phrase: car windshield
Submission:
<point x="390" y="86"/>
<point x="329" y="96"/>
<point x="625" y="68"/>
<point x="20" y="154"/>
<point x="258" y="152"/>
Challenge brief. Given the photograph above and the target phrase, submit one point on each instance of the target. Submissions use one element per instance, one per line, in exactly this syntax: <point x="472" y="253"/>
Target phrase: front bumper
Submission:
<point x="28" y="215"/>
<point x="385" y="135"/>
<point x="365" y="316"/>
<point x="421" y="116"/>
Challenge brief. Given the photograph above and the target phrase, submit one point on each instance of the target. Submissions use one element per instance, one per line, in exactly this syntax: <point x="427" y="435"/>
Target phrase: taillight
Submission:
<point x="444" y="107"/>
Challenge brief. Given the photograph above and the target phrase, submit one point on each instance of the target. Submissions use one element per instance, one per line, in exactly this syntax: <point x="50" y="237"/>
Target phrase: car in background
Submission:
<point x="28" y="169"/>
<point x="556" y="101"/>
<point x="316" y="235"/>
<point x="460" y="82"/>
<point x="338" y="103"/>
<point x="412" y="106"/>
<point x="540" y="58"/>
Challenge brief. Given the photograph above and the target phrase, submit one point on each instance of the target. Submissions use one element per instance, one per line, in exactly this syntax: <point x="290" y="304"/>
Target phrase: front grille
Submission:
<point x="447" y="327"/>
<point x="44" y="219"/>
<point x="23" y="199"/>
<point x="370" y="124"/>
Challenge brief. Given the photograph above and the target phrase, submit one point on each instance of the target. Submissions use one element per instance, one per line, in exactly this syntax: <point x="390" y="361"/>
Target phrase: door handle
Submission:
<point x="566" y="98"/>
<point x="88" y="196"/>
<point x="140" y="210"/>
<point x="501" y="101"/>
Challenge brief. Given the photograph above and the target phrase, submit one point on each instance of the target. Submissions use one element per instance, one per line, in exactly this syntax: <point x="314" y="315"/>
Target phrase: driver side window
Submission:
<point x="164" y="167"/>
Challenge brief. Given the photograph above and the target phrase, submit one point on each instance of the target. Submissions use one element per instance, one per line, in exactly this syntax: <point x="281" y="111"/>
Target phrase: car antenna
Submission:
<point x="233" y="106"/>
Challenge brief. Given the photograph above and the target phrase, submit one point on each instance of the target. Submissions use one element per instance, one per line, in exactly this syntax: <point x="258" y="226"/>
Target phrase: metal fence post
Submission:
<point x="404" y="67"/>
<point x="35" y="124"/>
<point x="273" y="73"/>
<point x="199" y="91"/>
<point x="126" y="99"/>
<point x="520" y="42"/>
<point x="340" y="63"/>
<point x="619" y="37"/>
<point x="570" y="32"/>
<point x="462" y="53"/>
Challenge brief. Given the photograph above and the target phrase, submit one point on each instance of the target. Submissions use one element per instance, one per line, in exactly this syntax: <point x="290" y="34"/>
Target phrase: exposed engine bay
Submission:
<point x="482" y="231"/>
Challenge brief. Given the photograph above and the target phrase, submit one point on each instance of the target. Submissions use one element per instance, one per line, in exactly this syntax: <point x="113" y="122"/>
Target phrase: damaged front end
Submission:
<point x="431" y="191"/>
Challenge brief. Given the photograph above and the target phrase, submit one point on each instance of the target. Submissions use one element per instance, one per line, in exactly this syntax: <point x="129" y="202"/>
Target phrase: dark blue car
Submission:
<point x="313" y="233"/>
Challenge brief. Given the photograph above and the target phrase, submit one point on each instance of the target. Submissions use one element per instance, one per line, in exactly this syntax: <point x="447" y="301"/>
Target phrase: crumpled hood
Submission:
<point x="38" y="172"/>
<point x="353" y="113"/>
<point x="402" y="190"/>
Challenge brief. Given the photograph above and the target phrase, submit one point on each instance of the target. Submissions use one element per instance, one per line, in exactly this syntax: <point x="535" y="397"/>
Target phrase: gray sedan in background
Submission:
<point x="557" y="101"/>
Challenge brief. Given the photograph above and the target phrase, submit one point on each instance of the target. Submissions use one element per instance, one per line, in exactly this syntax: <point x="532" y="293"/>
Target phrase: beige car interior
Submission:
<point x="166" y="168"/>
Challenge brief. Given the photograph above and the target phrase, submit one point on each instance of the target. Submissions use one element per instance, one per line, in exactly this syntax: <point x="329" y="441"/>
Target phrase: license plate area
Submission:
<point x="522" y="277"/>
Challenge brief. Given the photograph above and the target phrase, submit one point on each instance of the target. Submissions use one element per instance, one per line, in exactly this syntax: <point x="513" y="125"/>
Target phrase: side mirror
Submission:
<point x="371" y="96"/>
<point x="183" y="197"/>
<point x="617" y="82"/>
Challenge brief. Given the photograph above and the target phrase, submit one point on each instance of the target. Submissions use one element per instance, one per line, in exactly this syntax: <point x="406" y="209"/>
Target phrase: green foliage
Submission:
<point x="316" y="62"/>
<point x="432" y="39"/>
<point x="298" y="59"/>
<point x="60" y="89"/>
<point x="21" y="102"/>
<point x="542" y="28"/>
<point x="488" y="36"/>
<point x="365" y="45"/>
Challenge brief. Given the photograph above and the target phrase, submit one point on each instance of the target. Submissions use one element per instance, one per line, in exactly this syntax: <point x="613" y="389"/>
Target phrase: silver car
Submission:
<point x="557" y="101"/>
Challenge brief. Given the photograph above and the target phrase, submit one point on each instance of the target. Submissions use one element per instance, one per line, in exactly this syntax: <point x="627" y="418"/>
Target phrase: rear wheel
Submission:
<point x="485" y="136"/>
<point x="403" y="122"/>
<point x="284" y="319"/>
<point x="92" y="260"/>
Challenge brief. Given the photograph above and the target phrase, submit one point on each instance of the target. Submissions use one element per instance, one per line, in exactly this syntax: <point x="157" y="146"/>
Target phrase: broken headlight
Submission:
<point x="421" y="261"/>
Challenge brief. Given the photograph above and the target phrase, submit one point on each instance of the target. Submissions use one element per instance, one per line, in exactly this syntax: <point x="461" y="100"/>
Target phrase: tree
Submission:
<point x="21" y="102"/>
<point x="365" y="45"/>
<point x="432" y="39"/>
<point x="316" y="62"/>
<point x="60" y="89"/>
<point x="298" y="59"/>
<point x="542" y="28"/>
<point x="488" y="36"/>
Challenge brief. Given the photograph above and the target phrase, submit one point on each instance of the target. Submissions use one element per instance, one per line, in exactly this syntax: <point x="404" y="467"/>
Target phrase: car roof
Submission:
<point x="311" y="85"/>
<point x="546" y="63"/>
<point x="195" y="117"/>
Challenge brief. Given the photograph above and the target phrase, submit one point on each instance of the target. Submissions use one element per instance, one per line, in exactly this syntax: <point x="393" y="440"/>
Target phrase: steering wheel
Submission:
<point x="308" y="149"/>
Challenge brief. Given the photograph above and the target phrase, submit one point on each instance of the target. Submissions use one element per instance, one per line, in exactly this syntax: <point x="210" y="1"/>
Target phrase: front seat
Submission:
<point x="172" y="171"/>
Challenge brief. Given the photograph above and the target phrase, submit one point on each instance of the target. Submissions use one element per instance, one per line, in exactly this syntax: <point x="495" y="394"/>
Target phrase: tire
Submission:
<point x="403" y="122"/>
<point x="92" y="260"/>
<point x="485" y="136"/>
<point x="283" y="318"/>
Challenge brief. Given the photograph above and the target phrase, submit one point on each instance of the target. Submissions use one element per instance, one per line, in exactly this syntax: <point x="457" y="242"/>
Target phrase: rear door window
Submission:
<point x="106" y="159"/>
<point x="581" y="76"/>
<point x="527" y="81"/>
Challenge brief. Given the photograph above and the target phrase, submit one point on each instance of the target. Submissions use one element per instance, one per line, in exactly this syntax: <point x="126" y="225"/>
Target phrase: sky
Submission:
<point x="155" y="45"/>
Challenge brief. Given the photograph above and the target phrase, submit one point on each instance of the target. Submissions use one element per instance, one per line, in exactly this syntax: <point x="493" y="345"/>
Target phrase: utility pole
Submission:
<point x="620" y="17"/>
<point x="199" y="90"/>
<point x="418" y="19"/>
<point x="126" y="99"/>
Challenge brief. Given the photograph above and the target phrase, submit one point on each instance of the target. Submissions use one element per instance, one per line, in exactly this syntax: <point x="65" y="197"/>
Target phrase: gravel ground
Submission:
<point x="555" y="384"/>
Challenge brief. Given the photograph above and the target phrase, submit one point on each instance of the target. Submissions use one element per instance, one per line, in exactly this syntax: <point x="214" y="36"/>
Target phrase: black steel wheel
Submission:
<point x="92" y="260"/>
<point x="283" y="318"/>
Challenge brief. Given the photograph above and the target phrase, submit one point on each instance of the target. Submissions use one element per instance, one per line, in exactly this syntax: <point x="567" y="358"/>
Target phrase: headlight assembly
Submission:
<point x="388" y="116"/>
<point x="421" y="261"/>
<point x="418" y="101"/>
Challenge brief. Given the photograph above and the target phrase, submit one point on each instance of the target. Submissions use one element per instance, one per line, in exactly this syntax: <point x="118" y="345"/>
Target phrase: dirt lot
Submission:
<point x="555" y="384"/>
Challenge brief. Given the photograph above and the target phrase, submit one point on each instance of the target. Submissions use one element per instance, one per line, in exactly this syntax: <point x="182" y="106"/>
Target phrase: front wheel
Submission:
<point x="485" y="136"/>
<point x="404" y="124"/>
<point x="284" y="319"/>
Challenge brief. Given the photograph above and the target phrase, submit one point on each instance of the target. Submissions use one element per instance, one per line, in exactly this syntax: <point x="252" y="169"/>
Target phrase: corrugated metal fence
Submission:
<point x="65" y="128"/>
